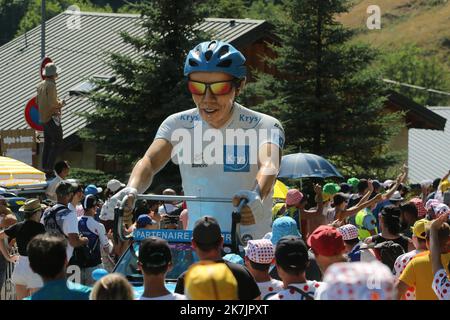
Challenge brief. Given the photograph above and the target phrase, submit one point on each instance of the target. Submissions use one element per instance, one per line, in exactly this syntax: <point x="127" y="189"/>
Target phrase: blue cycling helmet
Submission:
<point x="216" y="56"/>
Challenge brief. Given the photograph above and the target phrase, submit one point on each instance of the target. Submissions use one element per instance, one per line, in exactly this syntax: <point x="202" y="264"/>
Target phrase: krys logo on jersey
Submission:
<point x="235" y="148"/>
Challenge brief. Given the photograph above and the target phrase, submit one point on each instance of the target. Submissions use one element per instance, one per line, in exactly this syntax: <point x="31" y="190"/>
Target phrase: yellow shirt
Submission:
<point x="418" y="274"/>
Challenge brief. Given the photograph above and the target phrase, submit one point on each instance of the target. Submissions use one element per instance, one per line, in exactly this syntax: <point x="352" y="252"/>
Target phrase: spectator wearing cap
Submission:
<point x="145" y="222"/>
<point x="155" y="260"/>
<point x="47" y="255"/>
<point x="396" y="199"/>
<point x="441" y="282"/>
<point x="50" y="106"/>
<point x="346" y="188"/>
<point x="107" y="211"/>
<point x="390" y="229"/>
<point x="207" y="242"/>
<point x="328" y="246"/>
<point x="113" y="286"/>
<point x="208" y="280"/>
<point x="98" y="241"/>
<point x="93" y="189"/>
<point x="357" y="281"/>
<point x="294" y="206"/>
<point x="351" y="240"/>
<point x="285" y="226"/>
<point x="235" y="258"/>
<point x="353" y="182"/>
<point x="61" y="172"/>
<point x="420" y="243"/>
<point x="25" y="280"/>
<point x="291" y="256"/>
<point x="421" y="211"/>
<point x="418" y="272"/>
<point x="259" y="256"/>
<point x="408" y="216"/>
<point x="62" y="221"/>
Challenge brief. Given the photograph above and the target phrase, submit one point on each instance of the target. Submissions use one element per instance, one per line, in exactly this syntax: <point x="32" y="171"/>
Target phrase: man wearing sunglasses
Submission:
<point x="244" y="166"/>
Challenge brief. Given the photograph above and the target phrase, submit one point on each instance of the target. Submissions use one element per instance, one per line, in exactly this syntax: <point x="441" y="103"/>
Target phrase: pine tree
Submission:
<point x="149" y="86"/>
<point x="329" y="100"/>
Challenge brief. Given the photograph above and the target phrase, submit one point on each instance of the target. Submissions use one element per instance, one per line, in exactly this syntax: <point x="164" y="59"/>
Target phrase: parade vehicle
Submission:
<point x="183" y="255"/>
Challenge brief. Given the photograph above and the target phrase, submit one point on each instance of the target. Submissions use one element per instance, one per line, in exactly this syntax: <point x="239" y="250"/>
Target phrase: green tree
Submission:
<point x="150" y="84"/>
<point x="411" y="65"/>
<point x="269" y="10"/>
<point x="225" y="8"/>
<point x="11" y="11"/>
<point x="329" y="101"/>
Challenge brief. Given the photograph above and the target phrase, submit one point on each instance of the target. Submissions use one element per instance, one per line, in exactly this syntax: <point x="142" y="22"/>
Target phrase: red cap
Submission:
<point x="326" y="241"/>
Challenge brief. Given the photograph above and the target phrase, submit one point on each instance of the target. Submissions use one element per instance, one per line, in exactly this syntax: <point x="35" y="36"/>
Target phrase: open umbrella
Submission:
<point x="14" y="172"/>
<point x="306" y="165"/>
<point x="279" y="190"/>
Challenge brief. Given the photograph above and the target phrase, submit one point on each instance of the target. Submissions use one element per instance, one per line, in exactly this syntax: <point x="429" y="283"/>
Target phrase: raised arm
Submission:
<point x="310" y="214"/>
<point x="355" y="209"/>
<point x="435" y="246"/>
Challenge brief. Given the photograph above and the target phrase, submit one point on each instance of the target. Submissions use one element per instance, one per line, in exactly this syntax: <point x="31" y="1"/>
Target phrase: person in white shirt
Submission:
<point x="155" y="260"/>
<point x="167" y="207"/>
<point x="98" y="240"/>
<point x="62" y="170"/>
<point x="107" y="212"/>
<point x="75" y="203"/>
<point x="59" y="219"/>
<point x="291" y="255"/>
<point x="259" y="255"/>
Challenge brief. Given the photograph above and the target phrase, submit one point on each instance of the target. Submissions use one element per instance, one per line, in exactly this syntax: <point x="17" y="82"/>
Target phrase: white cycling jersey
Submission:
<point x="220" y="162"/>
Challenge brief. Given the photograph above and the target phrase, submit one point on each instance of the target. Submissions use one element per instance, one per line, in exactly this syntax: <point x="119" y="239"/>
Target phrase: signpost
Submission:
<point x="32" y="115"/>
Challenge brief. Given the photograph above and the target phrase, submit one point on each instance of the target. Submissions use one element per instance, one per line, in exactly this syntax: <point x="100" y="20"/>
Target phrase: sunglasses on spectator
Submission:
<point x="218" y="88"/>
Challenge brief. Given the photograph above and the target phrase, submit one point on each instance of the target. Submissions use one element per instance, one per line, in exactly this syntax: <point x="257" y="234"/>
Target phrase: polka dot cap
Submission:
<point x="422" y="212"/>
<point x="348" y="232"/>
<point x="260" y="251"/>
<point x="359" y="281"/>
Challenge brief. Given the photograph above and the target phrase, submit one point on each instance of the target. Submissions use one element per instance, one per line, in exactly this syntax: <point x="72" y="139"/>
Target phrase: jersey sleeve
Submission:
<point x="274" y="133"/>
<point x="166" y="128"/>
<point x="441" y="285"/>
<point x="408" y="275"/>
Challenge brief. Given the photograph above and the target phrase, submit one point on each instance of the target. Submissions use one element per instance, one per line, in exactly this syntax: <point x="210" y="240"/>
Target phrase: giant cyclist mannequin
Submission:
<point x="236" y="169"/>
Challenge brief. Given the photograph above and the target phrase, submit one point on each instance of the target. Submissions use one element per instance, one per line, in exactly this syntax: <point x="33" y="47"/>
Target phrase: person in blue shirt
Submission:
<point x="47" y="256"/>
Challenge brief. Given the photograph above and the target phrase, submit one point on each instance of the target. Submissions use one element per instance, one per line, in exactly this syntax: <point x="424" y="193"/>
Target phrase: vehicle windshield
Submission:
<point x="182" y="257"/>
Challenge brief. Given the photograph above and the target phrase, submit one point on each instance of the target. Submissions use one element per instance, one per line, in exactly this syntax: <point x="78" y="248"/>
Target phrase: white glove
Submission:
<point x="128" y="191"/>
<point x="254" y="203"/>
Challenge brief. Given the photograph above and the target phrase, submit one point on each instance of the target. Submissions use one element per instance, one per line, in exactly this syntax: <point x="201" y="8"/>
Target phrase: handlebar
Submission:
<point x="119" y="211"/>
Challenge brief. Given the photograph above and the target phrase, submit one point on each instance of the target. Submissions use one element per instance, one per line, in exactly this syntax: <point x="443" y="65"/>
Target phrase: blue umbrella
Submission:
<point x="306" y="165"/>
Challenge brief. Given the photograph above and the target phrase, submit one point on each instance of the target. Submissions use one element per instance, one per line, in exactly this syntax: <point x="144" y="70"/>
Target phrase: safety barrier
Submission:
<point x="8" y="291"/>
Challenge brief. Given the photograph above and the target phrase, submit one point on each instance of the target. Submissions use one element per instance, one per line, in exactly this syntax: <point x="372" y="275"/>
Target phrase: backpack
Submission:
<point x="84" y="256"/>
<point x="50" y="222"/>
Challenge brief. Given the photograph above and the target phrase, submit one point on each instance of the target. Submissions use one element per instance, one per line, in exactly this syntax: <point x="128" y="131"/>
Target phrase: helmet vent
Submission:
<point x="224" y="50"/>
<point x="208" y="55"/>
<point x="193" y="63"/>
<point x="212" y="45"/>
<point x="225" y="63"/>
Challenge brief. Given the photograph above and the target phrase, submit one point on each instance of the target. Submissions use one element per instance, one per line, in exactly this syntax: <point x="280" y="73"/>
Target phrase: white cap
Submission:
<point x="114" y="185"/>
<point x="387" y="183"/>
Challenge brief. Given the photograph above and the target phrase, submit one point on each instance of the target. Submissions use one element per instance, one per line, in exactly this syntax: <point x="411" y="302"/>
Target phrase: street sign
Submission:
<point x="39" y="137"/>
<point x="43" y="63"/>
<point x="32" y="115"/>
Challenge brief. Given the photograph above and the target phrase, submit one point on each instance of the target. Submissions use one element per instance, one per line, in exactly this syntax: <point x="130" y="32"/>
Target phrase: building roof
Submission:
<point x="429" y="150"/>
<point x="417" y="116"/>
<point x="80" y="53"/>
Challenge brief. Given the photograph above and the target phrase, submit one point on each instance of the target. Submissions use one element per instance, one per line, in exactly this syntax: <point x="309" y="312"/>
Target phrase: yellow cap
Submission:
<point x="419" y="228"/>
<point x="207" y="280"/>
<point x="445" y="185"/>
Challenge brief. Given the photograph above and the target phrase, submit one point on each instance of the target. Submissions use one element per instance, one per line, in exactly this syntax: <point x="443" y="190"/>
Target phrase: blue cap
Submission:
<point x="92" y="189"/>
<point x="144" y="220"/>
<point x="232" y="257"/>
<point x="284" y="226"/>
